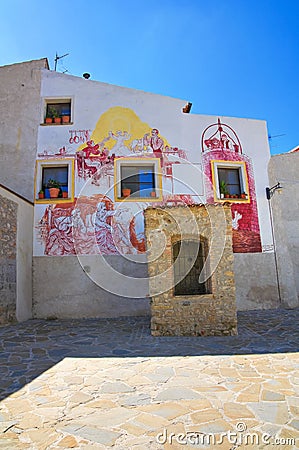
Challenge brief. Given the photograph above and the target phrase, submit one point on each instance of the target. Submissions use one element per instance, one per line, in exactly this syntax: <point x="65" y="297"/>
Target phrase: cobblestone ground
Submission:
<point x="98" y="384"/>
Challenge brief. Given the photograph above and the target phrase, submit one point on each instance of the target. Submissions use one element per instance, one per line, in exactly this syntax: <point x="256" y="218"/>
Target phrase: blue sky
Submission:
<point x="228" y="57"/>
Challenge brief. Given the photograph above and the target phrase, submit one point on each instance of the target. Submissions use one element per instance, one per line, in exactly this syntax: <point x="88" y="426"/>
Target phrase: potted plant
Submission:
<point x="51" y="112"/>
<point x="153" y="194"/>
<point x="54" y="114"/>
<point x="65" y="119"/>
<point x="65" y="194"/>
<point x="224" y="192"/>
<point x="126" y="192"/>
<point x="48" y="119"/>
<point x="244" y="195"/>
<point x="56" y="118"/>
<point x="223" y="189"/>
<point x="54" y="188"/>
<point x="41" y="194"/>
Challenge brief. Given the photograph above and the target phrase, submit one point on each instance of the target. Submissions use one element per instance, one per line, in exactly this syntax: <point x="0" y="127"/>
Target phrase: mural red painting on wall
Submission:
<point x="221" y="143"/>
<point x="89" y="226"/>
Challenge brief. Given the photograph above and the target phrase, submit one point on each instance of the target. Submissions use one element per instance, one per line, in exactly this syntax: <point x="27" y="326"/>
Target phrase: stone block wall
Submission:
<point x="196" y="315"/>
<point x="8" y="236"/>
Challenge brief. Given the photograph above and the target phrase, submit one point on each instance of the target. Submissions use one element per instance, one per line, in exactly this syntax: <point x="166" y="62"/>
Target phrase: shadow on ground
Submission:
<point x="30" y="348"/>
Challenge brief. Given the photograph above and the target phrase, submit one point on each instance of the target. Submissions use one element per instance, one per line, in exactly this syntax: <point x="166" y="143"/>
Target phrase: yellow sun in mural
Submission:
<point x="119" y="120"/>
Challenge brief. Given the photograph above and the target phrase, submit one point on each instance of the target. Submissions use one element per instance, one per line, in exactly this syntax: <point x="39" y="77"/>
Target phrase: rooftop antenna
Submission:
<point x="276" y="135"/>
<point x="57" y="58"/>
<point x="270" y="137"/>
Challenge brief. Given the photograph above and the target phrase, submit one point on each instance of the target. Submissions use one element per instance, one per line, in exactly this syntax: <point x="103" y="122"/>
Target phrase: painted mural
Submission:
<point x="120" y="133"/>
<point x="89" y="226"/>
<point x="96" y="222"/>
<point x="220" y="143"/>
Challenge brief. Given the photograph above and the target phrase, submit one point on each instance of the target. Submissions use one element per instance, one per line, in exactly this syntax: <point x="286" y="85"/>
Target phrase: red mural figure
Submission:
<point x="220" y="143"/>
<point x="103" y="228"/>
<point x="91" y="148"/>
<point x="218" y="139"/>
<point x="96" y="154"/>
<point x="91" y="226"/>
<point x="56" y="230"/>
<point x="156" y="143"/>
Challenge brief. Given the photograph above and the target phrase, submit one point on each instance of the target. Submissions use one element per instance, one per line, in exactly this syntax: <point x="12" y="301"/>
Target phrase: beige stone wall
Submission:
<point x="15" y="257"/>
<point x="210" y="314"/>
<point x="20" y="116"/>
<point x="8" y="236"/>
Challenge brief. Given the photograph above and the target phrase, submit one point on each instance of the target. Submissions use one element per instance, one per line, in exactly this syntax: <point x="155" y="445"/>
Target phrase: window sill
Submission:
<point x="193" y="297"/>
<point x="53" y="200"/>
<point x="55" y="124"/>
<point x="138" y="199"/>
<point x="233" y="200"/>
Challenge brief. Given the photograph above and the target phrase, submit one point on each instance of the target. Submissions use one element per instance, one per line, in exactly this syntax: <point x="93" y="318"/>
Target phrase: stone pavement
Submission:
<point x="97" y="384"/>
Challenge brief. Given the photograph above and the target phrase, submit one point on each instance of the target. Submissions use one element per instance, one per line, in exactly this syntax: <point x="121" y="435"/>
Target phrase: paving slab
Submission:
<point x="107" y="383"/>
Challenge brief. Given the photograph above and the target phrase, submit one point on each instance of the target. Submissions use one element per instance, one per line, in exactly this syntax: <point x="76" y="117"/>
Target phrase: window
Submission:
<point x="230" y="181"/>
<point x="54" y="174"/>
<point x="231" y="178"/>
<point x="57" y="173"/>
<point x="57" y="111"/>
<point x="189" y="257"/>
<point x="138" y="178"/>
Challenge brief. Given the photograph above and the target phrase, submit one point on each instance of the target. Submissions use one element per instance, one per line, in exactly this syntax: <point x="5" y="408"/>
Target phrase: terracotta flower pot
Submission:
<point x="65" y="194"/>
<point x="54" y="192"/>
<point x="57" y="119"/>
<point x="153" y="194"/>
<point x="65" y="119"/>
<point x="41" y="195"/>
<point x="126" y="192"/>
<point x="48" y="120"/>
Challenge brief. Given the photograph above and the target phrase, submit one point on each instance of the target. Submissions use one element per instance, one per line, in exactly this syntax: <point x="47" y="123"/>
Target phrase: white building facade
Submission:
<point x="113" y="152"/>
<point x="90" y="241"/>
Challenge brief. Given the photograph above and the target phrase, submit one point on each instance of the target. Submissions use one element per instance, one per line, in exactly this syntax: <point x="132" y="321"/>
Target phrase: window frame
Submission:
<point x="57" y="100"/>
<point x="45" y="163"/>
<point x="244" y="187"/>
<point x="133" y="162"/>
<point x="202" y="255"/>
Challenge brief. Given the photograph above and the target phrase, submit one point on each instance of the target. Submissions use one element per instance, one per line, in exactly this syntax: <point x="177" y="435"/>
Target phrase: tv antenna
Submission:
<point x="275" y="136"/>
<point x="271" y="137"/>
<point x="57" y="58"/>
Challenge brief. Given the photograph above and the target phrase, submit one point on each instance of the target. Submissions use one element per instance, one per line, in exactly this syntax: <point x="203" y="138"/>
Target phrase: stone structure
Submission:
<point x="16" y="215"/>
<point x="8" y="235"/>
<point x="213" y="313"/>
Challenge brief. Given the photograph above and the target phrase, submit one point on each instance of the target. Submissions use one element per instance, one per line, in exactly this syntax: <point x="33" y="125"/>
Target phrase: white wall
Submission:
<point x="91" y="100"/>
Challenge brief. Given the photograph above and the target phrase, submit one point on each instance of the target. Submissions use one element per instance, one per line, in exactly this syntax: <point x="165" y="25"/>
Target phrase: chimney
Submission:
<point x="187" y="108"/>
